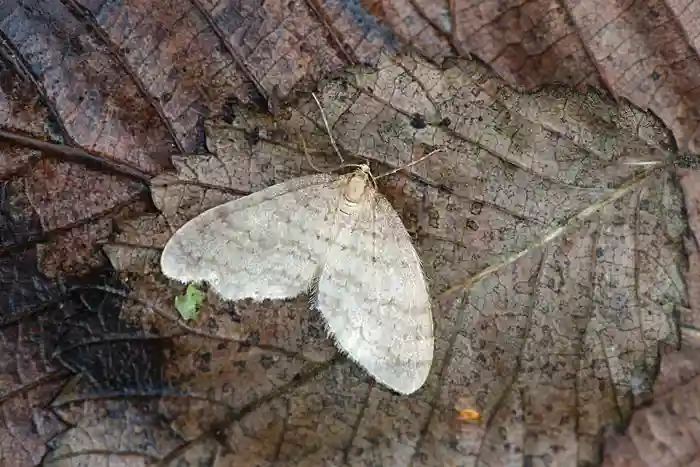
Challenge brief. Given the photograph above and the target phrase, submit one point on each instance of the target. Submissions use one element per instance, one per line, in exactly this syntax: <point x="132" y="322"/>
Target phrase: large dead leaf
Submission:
<point x="121" y="82"/>
<point x="72" y="103"/>
<point x="555" y="265"/>
<point x="643" y="51"/>
<point x="130" y="80"/>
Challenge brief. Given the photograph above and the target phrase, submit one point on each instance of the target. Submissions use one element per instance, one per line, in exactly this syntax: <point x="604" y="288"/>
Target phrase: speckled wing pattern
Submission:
<point x="274" y="243"/>
<point x="373" y="295"/>
<point x="264" y="245"/>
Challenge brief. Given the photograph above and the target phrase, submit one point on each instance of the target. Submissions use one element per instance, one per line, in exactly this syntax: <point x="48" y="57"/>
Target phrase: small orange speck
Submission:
<point x="470" y="415"/>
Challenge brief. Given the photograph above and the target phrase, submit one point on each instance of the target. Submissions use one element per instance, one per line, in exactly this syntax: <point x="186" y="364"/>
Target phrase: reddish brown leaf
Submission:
<point x="127" y="82"/>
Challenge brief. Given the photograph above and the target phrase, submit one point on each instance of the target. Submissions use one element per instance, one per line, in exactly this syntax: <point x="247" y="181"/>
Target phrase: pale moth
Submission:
<point x="335" y="236"/>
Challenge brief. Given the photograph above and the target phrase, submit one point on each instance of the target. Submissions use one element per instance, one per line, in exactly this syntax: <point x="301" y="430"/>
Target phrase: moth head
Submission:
<point x="358" y="182"/>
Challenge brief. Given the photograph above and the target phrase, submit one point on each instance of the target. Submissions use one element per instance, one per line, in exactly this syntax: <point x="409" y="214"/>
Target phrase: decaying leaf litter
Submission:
<point x="544" y="348"/>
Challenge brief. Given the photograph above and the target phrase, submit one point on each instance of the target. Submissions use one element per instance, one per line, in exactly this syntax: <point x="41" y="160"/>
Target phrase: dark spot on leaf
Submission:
<point x="471" y="224"/>
<point x="253" y="136"/>
<point x="212" y="325"/>
<point x="229" y="114"/>
<point x="418" y="121"/>
<point x="445" y="188"/>
<point x="655" y="75"/>
<point x="204" y="361"/>
<point x="232" y="311"/>
<point x="219" y="434"/>
<point x="599" y="252"/>
<point x="446" y="122"/>
<point x="267" y="362"/>
<point x="476" y="207"/>
<point x="76" y="47"/>
<point x="254" y="338"/>
<point x="258" y="100"/>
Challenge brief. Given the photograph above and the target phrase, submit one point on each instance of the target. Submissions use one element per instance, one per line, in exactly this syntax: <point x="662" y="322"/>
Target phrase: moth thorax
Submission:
<point x="355" y="188"/>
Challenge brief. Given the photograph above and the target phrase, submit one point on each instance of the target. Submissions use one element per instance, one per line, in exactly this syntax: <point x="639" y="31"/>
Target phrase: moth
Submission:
<point x="336" y="237"/>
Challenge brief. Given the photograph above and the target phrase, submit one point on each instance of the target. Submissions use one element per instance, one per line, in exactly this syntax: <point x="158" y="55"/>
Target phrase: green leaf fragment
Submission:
<point x="188" y="304"/>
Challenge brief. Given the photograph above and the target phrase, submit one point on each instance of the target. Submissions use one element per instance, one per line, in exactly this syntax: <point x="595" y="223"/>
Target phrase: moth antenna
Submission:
<point x="420" y="159"/>
<point x="328" y="129"/>
<point x="308" y="158"/>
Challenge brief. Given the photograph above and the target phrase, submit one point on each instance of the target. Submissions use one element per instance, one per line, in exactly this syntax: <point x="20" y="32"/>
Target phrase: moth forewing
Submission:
<point x="257" y="246"/>
<point x="372" y="291"/>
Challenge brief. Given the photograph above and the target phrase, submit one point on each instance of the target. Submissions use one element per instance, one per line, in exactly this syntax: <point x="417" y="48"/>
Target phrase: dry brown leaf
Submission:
<point x="130" y="81"/>
<point x="645" y="52"/>
<point x="127" y="81"/>
<point x="203" y="52"/>
<point x="550" y="348"/>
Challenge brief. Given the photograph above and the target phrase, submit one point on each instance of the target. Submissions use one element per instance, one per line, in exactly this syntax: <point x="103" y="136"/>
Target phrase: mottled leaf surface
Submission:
<point x="51" y="328"/>
<point x="122" y="84"/>
<point x="549" y="313"/>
